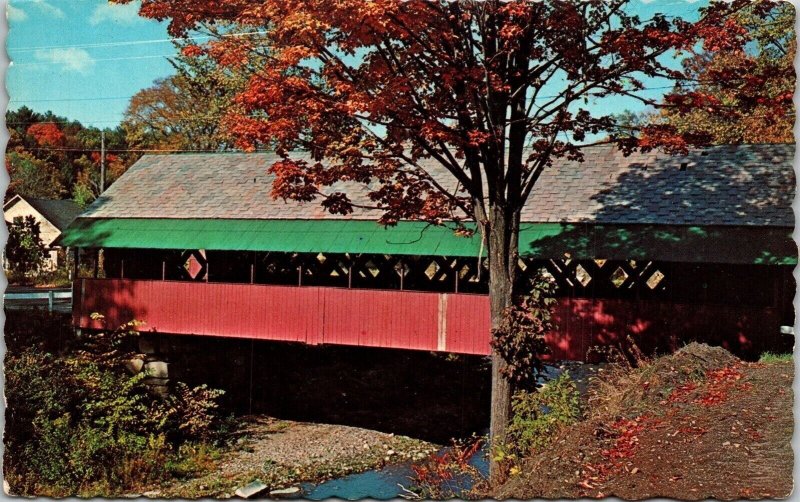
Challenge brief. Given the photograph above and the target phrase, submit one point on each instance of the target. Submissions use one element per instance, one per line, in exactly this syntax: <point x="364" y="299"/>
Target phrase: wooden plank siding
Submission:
<point x="447" y="322"/>
<point x="313" y="315"/>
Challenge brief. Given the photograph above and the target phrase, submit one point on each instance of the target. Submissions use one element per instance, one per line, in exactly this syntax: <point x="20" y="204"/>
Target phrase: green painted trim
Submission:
<point x="715" y="244"/>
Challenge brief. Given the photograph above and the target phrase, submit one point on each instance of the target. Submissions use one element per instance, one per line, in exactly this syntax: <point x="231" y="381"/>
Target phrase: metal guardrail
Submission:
<point x="50" y="296"/>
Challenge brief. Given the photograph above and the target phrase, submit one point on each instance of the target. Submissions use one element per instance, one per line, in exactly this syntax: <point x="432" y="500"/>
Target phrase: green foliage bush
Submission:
<point x="78" y="424"/>
<point x="539" y="415"/>
<point x="25" y="250"/>
<point x="519" y="339"/>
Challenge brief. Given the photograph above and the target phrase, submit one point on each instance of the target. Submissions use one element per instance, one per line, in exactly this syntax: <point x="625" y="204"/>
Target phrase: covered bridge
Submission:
<point x="663" y="248"/>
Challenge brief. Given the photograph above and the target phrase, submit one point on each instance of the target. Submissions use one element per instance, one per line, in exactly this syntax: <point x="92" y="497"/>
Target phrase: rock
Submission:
<point x="157" y="369"/>
<point x="286" y="493"/>
<point x="134" y="365"/>
<point x="251" y="490"/>
<point x="634" y="470"/>
<point x="152" y="494"/>
<point x="390" y="452"/>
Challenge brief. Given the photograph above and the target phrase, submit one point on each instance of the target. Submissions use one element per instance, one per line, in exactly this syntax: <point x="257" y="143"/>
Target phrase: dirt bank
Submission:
<point x="695" y="425"/>
<point x="282" y="453"/>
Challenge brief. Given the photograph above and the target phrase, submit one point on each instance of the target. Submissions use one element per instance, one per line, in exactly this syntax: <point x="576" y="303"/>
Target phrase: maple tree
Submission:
<point x="749" y="89"/>
<point x="184" y="111"/>
<point x="47" y="134"/>
<point x="492" y="91"/>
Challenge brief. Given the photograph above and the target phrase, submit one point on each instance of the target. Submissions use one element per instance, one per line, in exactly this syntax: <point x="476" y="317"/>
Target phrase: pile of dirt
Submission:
<point x="695" y="424"/>
<point x="630" y="392"/>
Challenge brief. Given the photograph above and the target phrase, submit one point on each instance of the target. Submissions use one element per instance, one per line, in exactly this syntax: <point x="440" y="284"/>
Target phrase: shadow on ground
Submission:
<point x="419" y="394"/>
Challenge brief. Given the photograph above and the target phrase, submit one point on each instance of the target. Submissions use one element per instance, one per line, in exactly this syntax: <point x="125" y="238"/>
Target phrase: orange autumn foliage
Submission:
<point x="47" y="134"/>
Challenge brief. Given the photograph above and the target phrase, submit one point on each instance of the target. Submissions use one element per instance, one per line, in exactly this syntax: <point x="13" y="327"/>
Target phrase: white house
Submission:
<point x="53" y="217"/>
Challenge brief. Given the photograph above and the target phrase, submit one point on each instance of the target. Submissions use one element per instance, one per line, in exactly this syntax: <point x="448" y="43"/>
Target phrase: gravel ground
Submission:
<point x="282" y="453"/>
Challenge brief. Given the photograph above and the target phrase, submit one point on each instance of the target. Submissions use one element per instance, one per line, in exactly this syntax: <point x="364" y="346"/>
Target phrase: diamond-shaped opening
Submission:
<point x="321" y="258"/>
<point x="618" y="277"/>
<point x="195" y="265"/>
<point x="372" y="269"/>
<point x="632" y="263"/>
<point x="655" y="279"/>
<point x="600" y="262"/>
<point x="430" y="272"/>
<point x="583" y="276"/>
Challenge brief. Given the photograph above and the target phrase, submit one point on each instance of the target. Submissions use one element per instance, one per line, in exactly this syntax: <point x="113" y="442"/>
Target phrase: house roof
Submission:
<point x="58" y="212"/>
<point x="749" y="185"/>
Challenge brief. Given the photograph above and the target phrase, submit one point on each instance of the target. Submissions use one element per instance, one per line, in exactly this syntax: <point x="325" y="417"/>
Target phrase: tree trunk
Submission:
<point x="502" y="240"/>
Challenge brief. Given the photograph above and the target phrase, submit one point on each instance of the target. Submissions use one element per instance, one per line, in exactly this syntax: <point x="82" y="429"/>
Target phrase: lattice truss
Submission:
<point x="574" y="277"/>
<point x="599" y="277"/>
<point x="374" y="271"/>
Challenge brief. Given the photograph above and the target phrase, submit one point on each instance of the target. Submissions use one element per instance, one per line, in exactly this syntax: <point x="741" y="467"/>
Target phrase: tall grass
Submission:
<point x="771" y="357"/>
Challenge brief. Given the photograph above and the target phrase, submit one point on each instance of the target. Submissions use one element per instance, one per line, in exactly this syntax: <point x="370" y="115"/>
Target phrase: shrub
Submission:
<point x="190" y="413"/>
<point x="539" y="415"/>
<point x="56" y="278"/>
<point x="78" y="424"/>
<point x="520" y="337"/>
<point x="47" y="331"/>
<point x="447" y="474"/>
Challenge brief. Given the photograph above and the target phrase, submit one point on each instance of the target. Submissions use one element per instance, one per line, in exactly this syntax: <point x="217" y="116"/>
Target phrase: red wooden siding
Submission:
<point x="659" y="326"/>
<point x="456" y="323"/>
<point x="314" y="315"/>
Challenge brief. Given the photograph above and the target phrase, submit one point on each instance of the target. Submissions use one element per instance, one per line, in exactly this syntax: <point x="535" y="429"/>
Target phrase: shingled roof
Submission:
<point x="750" y="185"/>
<point x="58" y="212"/>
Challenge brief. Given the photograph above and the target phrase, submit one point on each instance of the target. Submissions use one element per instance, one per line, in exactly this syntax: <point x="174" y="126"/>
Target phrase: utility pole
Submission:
<point x="102" y="160"/>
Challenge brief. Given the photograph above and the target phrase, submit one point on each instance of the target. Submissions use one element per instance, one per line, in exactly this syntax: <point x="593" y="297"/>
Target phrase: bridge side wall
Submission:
<point x="313" y="315"/>
<point x="445" y="322"/>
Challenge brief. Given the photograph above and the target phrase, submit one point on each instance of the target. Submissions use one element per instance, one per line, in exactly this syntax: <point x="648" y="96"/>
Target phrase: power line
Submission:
<point x="72" y="122"/>
<point x="93" y="60"/>
<point x="63" y="122"/>
<point x="106" y="98"/>
<point x="140" y="150"/>
<point x="134" y="42"/>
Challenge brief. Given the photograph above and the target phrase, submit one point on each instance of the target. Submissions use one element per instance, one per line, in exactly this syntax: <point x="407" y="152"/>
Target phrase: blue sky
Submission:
<point x="76" y="57"/>
<point x="84" y="59"/>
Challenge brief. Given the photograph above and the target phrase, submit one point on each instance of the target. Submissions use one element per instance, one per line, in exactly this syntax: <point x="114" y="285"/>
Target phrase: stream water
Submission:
<point x="388" y="482"/>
